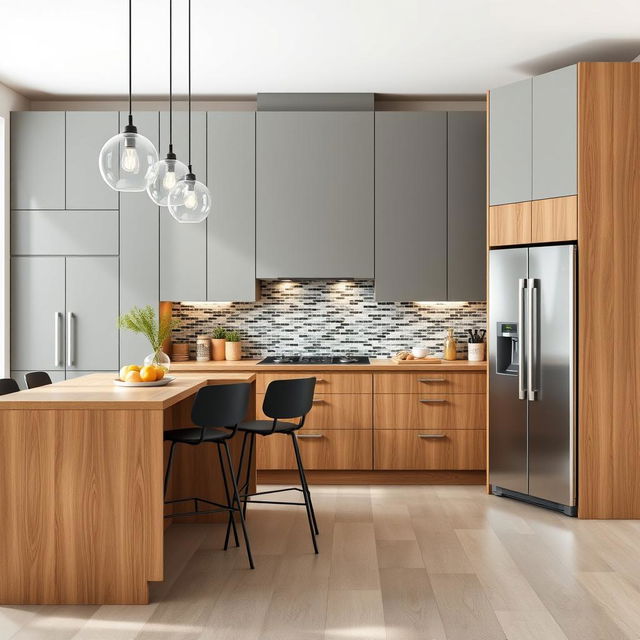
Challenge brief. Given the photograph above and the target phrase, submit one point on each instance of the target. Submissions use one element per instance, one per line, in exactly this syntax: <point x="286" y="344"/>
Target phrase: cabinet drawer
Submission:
<point x="430" y="382"/>
<point x="430" y="449"/>
<point x="334" y="411"/>
<point x="338" y="450"/>
<point x="421" y="411"/>
<point x="325" y="382"/>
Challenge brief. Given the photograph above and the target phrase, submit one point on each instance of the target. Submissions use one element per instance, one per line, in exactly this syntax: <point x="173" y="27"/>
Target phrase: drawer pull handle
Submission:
<point x="318" y="400"/>
<point x="310" y="435"/>
<point x="320" y="380"/>
<point x="432" y="400"/>
<point x="431" y="380"/>
<point x="431" y="435"/>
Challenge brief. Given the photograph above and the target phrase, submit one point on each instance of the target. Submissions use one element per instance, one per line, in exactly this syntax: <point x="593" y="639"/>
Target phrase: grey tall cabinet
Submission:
<point x="430" y="206"/>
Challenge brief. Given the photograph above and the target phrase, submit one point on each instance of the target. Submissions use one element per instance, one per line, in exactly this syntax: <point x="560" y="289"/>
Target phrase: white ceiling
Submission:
<point x="78" y="48"/>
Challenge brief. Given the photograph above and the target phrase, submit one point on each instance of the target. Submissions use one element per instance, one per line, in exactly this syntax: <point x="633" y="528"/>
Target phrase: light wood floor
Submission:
<point x="396" y="563"/>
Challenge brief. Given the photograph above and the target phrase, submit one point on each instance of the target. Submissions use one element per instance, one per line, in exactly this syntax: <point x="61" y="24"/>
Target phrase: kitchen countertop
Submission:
<point x="377" y="364"/>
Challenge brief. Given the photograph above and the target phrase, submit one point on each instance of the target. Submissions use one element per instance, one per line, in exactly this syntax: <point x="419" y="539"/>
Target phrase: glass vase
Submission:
<point x="158" y="358"/>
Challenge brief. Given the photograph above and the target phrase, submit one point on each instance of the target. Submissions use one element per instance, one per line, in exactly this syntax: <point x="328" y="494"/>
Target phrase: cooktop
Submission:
<point x="297" y="359"/>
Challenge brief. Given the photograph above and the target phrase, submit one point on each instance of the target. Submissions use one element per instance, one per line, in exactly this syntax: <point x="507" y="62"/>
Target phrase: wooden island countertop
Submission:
<point x="81" y="486"/>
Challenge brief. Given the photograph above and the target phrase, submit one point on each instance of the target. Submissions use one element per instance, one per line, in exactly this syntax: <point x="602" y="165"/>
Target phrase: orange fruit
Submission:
<point x="124" y="371"/>
<point x="160" y="371"/>
<point x="148" y="374"/>
<point x="134" y="367"/>
<point x="133" y="376"/>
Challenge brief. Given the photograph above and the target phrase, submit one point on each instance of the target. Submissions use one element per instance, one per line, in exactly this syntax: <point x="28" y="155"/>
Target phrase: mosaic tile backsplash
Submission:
<point x="330" y="316"/>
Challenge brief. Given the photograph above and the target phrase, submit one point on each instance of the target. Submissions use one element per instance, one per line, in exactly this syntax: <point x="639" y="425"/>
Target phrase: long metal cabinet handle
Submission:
<point x="310" y="435"/>
<point x="522" y="285"/>
<point x="57" y="326"/>
<point x="318" y="401"/>
<point x="431" y="400"/>
<point x="431" y="435"/>
<point x="431" y="380"/>
<point x="532" y="338"/>
<point x="70" y="335"/>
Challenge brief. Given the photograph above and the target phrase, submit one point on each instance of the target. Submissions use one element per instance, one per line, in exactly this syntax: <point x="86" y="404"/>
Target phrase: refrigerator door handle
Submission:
<point x="532" y="340"/>
<point x="522" y="392"/>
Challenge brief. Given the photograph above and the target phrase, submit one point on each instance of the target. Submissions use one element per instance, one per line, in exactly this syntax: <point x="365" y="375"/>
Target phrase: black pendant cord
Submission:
<point x="189" y="65"/>
<point x="130" y="85"/>
<point x="170" y="76"/>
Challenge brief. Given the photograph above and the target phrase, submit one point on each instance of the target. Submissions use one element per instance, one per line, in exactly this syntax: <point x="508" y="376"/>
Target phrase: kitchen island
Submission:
<point x="81" y="483"/>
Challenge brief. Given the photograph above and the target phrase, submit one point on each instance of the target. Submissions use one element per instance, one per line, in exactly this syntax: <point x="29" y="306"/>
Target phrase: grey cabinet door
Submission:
<point x="231" y="237"/>
<point x="92" y="310"/>
<point x="411" y="206"/>
<point x="183" y="247"/>
<point x="87" y="131"/>
<point x="37" y="313"/>
<point x="466" y="205"/>
<point x="314" y="194"/>
<point x="139" y="251"/>
<point x="555" y="133"/>
<point x="37" y="166"/>
<point x="64" y="233"/>
<point x="510" y="143"/>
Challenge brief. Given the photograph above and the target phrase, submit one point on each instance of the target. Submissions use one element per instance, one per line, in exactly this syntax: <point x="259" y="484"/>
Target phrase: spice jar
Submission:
<point x="450" y="346"/>
<point x="203" y="349"/>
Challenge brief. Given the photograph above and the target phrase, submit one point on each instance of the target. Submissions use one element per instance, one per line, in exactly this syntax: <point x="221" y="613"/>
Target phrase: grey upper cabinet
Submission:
<point x="92" y="310"/>
<point x="139" y="249"/>
<point x="411" y="206"/>
<point x="231" y="238"/>
<point x="555" y="134"/>
<point x="87" y="131"/>
<point x="314" y="194"/>
<point x="466" y="205"/>
<point x="510" y="124"/>
<point x="37" y="160"/>
<point x="183" y="247"/>
<point x="37" y="313"/>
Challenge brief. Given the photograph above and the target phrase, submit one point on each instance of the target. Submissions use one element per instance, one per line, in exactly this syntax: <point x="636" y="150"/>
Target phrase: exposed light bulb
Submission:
<point x="169" y="180"/>
<point x="191" y="200"/>
<point x="130" y="161"/>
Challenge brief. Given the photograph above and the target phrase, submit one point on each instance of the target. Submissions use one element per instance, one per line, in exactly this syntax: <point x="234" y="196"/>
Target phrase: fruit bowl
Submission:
<point x="155" y="383"/>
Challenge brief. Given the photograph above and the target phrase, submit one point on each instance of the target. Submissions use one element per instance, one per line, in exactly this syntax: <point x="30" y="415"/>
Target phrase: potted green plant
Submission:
<point x="233" y="346"/>
<point x="155" y="329"/>
<point x="218" y="340"/>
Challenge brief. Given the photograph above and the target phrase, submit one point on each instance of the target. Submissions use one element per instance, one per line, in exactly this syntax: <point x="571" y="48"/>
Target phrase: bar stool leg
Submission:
<point x="247" y="479"/>
<point x="236" y="497"/>
<point x="231" y="522"/>
<point x="304" y="491"/>
<point x="166" y="474"/>
<point x="238" y="476"/>
<point x="305" y="488"/>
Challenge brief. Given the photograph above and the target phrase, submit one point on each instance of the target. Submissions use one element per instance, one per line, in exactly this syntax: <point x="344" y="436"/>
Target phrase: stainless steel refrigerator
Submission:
<point x="532" y="370"/>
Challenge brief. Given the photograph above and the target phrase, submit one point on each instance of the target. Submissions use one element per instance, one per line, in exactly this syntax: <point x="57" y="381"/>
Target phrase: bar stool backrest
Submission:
<point x="8" y="385"/>
<point x="37" y="379"/>
<point x="221" y="405"/>
<point x="286" y="399"/>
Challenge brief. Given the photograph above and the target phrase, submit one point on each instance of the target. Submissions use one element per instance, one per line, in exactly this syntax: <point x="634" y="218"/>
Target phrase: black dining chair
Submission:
<point x="8" y="385"/>
<point x="284" y="400"/>
<point x="217" y="411"/>
<point x="36" y="379"/>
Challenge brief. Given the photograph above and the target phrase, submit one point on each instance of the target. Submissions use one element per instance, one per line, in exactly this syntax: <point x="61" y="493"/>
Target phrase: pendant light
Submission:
<point x="126" y="158"/>
<point x="165" y="174"/>
<point x="189" y="200"/>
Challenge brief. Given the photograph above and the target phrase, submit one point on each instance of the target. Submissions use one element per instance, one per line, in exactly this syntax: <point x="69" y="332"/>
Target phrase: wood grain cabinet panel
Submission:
<point x="334" y="411"/>
<point x="430" y="382"/>
<point x="325" y="382"/>
<point x="345" y="449"/>
<point x="429" y="449"/>
<point x="422" y="411"/>
<point x="510" y="224"/>
<point x="554" y="219"/>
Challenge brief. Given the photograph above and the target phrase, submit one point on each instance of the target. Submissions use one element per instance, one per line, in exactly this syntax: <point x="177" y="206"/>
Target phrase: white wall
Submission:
<point x="9" y="101"/>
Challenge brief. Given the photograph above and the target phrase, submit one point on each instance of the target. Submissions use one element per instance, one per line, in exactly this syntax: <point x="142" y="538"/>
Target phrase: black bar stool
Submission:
<point x="284" y="400"/>
<point x="36" y="379"/>
<point x="217" y="411"/>
<point x="8" y="385"/>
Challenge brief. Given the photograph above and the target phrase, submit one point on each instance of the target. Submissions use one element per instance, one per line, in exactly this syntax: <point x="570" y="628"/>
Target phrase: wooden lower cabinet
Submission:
<point x="404" y="449"/>
<point x="431" y="382"/>
<point x="325" y="382"/>
<point x="337" y="449"/>
<point x="421" y="411"/>
<point x="334" y="411"/>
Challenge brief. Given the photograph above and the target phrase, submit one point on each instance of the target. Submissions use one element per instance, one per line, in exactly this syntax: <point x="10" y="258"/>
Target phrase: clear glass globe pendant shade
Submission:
<point x="163" y="176"/>
<point x="190" y="200"/>
<point x="125" y="161"/>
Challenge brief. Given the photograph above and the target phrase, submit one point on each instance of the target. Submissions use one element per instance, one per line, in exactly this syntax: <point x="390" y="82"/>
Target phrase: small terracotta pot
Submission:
<point x="217" y="348"/>
<point x="233" y="350"/>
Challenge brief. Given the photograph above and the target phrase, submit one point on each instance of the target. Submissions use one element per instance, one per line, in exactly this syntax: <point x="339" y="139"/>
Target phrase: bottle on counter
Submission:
<point x="203" y="349"/>
<point x="450" y="346"/>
